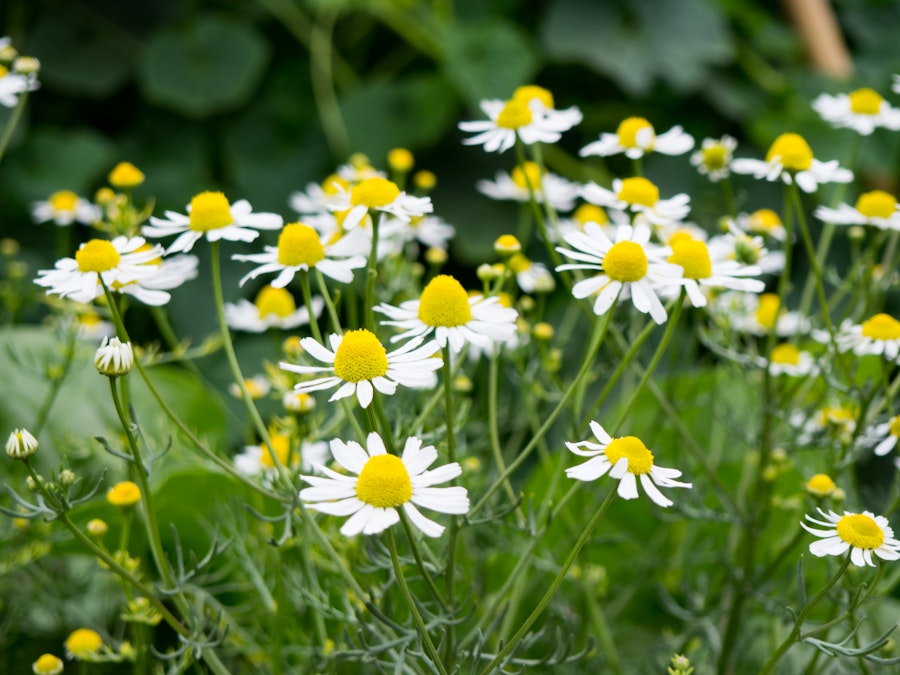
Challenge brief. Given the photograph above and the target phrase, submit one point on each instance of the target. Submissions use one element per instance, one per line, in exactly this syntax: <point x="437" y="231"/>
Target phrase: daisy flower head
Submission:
<point x="713" y="159"/>
<point x="877" y="208"/>
<point x="791" y="159"/>
<point x="786" y="359"/>
<point x="863" y="110"/>
<point x="21" y="444"/>
<point x="635" y="136"/>
<point x="210" y="214"/>
<point x="625" y="459"/>
<point x="455" y="317"/>
<point x="759" y="314"/>
<point x="431" y="231"/>
<point x="863" y="534"/>
<point x="359" y="364"/>
<point x="378" y="194"/>
<point x="114" y="357"/>
<point x="256" y="460"/>
<point x="639" y="195"/>
<point x="885" y="435"/>
<point x="532" y="277"/>
<point x="382" y="484"/>
<point x="835" y="420"/>
<point x="764" y="222"/>
<point x="64" y="208"/>
<point x="12" y="84"/>
<point x="878" y="335"/>
<point x="272" y="308"/>
<point x="164" y="274"/>
<point x="821" y="485"/>
<point x="318" y="198"/>
<point x="630" y="266"/>
<point x="562" y="120"/>
<point x="518" y="185"/>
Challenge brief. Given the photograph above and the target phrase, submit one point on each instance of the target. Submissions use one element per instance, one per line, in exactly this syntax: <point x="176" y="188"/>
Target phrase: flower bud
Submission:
<point x="125" y="176"/>
<point x="424" y="180"/>
<point x="436" y="256"/>
<point x="26" y="65"/>
<point x="114" y="358"/>
<point x="21" y="444"/>
<point x="66" y="477"/>
<point x="400" y="160"/>
<point x="507" y="244"/>
<point x="97" y="528"/>
<point x="124" y="494"/>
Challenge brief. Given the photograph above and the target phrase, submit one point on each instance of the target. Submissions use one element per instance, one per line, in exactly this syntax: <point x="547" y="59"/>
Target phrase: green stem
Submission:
<point x="307" y="300"/>
<point x="12" y="123"/>
<point x="496" y="450"/>
<point x="324" y="94"/>
<point x="56" y="383"/>
<point x="452" y="535"/>
<point x="371" y="274"/>
<point x="414" y="547"/>
<point x="329" y="303"/>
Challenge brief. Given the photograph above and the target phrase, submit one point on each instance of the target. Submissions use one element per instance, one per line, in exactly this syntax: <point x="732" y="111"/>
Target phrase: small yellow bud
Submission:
<point x="436" y="256"/>
<point x="543" y="331"/>
<point x="97" y="527"/>
<point x="856" y="233"/>
<point x="506" y="245"/>
<point x="424" y="180"/>
<point x="104" y="196"/>
<point x="124" y="494"/>
<point x="463" y="384"/>
<point x="82" y="643"/>
<point x="26" y="65"/>
<point x="400" y="160"/>
<point x="485" y="272"/>
<point x="9" y="247"/>
<point x="66" y="477"/>
<point x="820" y="485"/>
<point x="47" y="664"/>
<point x="125" y="176"/>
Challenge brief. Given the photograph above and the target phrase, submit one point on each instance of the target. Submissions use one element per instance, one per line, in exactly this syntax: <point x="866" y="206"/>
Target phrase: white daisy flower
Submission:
<point x="765" y="222"/>
<point x="272" y="308"/>
<point x="863" y="110"/>
<point x="114" y="357"/>
<point x="455" y="318"/>
<point x="64" y="208"/>
<point x="713" y="159"/>
<point x="13" y="84"/>
<point x="530" y="120"/>
<point x="791" y="159"/>
<point x="635" y="136"/>
<point x="861" y="533"/>
<point x="548" y="188"/>
<point x="835" y="420"/>
<point x="884" y="436"/>
<point x="759" y="314"/>
<point x="631" y="267"/>
<point x="21" y="444"/>
<point x="590" y="213"/>
<point x="210" y="214"/>
<point x="297" y="401"/>
<point x="318" y="198"/>
<point x="876" y="208"/>
<point x="711" y="266"/>
<point x="786" y="359"/>
<point x="256" y="460"/>
<point x="360" y="364"/>
<point x="639" y="195"/>
<point x="431" y="231"/>
<point x="532" y="277"/>
<point x="562" y="120"/>
<point x="256" y="386"/>
<point x="167" y="274"/>
<point x="301" y="248"/>
<point x="878" y="335"/>
<point x="625" y="459"/>
<point x="378" y="194"/>
<point x="383" y="484"/>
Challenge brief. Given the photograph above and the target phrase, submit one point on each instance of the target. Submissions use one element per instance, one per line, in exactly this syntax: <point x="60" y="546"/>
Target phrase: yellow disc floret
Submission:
<point x="640" y="459"/>
<point x="210" y="211"/>
<point x="895" y="426"/>
<point x="281" y="444"/>
<point x="715" y="157"/>
<point x="693" y="256"/>
<point x="125" y="175"/>
<point x="83" y="642"/>
<point x="881" y="327"/>
<point x="625" y="262"/>
<point x="767" y="310"/>
<point x="515" y="114"/>
<point x="638" y="191"/>
<point x="590" y="213"/>
<point x="529" y="92"/>
<point x="785" y="354"/>
<point x="444" y="302"/>
<point x="876" y="204"/>
<point x="401" y="159"/>
<point x="299" y="245"/>
<point x="360" y="356"/>
<point x="384" y="482"/>
<point x="763" y="220"/>
<point x="47" y="664"/>
<point x="333" y="184"/>
<point x="519" y="263"/>
<point x="277" y="301"/>
<point x="123" y="494"/>
<point x="527" y="177"/>
<point x="63" y="201"/>
<point x="860" y="531"/>
<point x="629" y="129"/>
<point x="820" y="485"/>
<point x="865" y="101"/>
<point x="792" y="151"/>
<point x="374" y="193"/>
<point x="98" y="255"/>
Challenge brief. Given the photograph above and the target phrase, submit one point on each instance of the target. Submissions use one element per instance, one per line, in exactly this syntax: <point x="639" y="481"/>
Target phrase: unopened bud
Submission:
<point x="21" y="444"/>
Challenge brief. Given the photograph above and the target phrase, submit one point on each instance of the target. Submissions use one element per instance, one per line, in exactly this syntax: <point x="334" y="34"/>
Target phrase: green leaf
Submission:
<point x="208" y="66"/>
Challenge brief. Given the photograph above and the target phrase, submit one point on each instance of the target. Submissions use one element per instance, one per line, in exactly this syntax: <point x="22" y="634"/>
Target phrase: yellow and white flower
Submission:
<point x="532" y="277"/>
<point x="764" y="222"/>
<point x="877" y="208"/>
<point x="377" y="194"/>
<point x="114" y="357"/>
<point x="64" y="208"/>
<point x="548" y="188"/>
<point x="318" y="198"/>
<point x="625" y="459"/>
<point x="791" y="160"/>
<point x="878" y="335"/>
<point x="21" y="444"/>
<point x="13" y="84"/>
<point x="360" y="364"/>
<point x="885" y="436"/>
<point x="211" y="215"/>
<point x="256" y="460"/>
<point x="639" y="195"/>
<point x="272" y="308"/>
<point x="166" y="275"/>
<point x="714" y="157"/>
<point x="863" y="534"/>
<point x="431" y="231"/>
<point x="786" y="359"/>
<point x="630" y="266"/>
<point x="863" y="110"/>
<point x="529" y="119"/>
<point x="759" y="314"/>
<point x="384" y="483"/>
<point x="635" y="136"/>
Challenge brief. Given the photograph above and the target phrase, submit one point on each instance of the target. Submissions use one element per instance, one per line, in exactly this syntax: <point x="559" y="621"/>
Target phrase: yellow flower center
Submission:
<point x="590" y="213"/>
<point x="519" y="263"/>
<point x="629" y="129"/>
<point x="125" y="175"/>
<point x="64" y="200"/>
<point x="764" y="220"/>
<point x="838" y="415"/>
<point x="529" y="92"/>
<point x="865" y="101"/>
<point x="860" y="531"/>
<point x="638" y="191"/>
<point x="384" y="482"/>
<point x="785" y="354"/>
<point x="693" y="256"/>
<point x="4" y="71"/>
<point x="767" y="310"/>
<point x="360" y="356"/>
<point x="277" y="301"/>
<point x="640" y="459"/>
<point x="299" y="244"/>
<point x="625" y="262"/>
<point x="507" y="243"/>
<point x="821" y="484"/>
<point x="515" y="114"/>
<point x="444" y="302"/>
<point x="876" y="204"/>
<point x="98" y="255"/>
<point x="47" y="664"/>
<point x="333" y="184"/>
<point x="715" y="157"/>
<point x="374" y="193"/>
<point x="210" y="211"/>
<point x="401" y="159"/>
<point x="528" y="176"/>
<point x="881" y="327"/>
<point x="895" y="426"/>
<point x="83" y="642"/>
<point x="125" y="493"/>
<point x="794" y="152"/>
<point x="281" y="444"/>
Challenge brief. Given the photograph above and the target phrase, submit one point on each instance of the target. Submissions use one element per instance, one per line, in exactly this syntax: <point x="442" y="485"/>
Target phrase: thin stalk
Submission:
<point x="307" y="300"/>
<point x="453" y="532"/>
<point x="417" y="556"/>
<point x="495" y="432"/>
<point x="371" y="275"/>
<point x="56" y="383"/>
<point x="329" y="303"/>
<point x="12" y="123"/>
<point x="536" y="209"/>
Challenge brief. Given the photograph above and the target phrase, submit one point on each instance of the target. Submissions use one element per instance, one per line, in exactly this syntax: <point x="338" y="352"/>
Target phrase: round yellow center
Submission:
<point x="527" y="177"/>
<point x="715" y="157"/>
<point x="83" y="642"/>
<point x="47" y="664"/>
<point x="529" y="92"/>
<point x="333" y="184"/>
<point x="64" y="200"/>
<point x="881" y="327"/>
<point x="785" y="354"/>
<point x="767" y="310"/>
<point x="876" y="204"/>
<point x="98" y="255"/>
<point x="125" y="175"/>
<point x="625" y="262"/>
<point x="838" y="415"/>
<point x="298" y="245"/>
<point x="628" y="131"/>
<point x="865" y="101"/>
<point x="507" y="243"/>
<point x="590" y="213"/>
<point x="519" y="263"/>
<point x="401" y="159"/>
<point x="125" y="493"/>
<point x="210" y="211"/>
<point x="360" y="356"/>
<point x="693" y="256"/>
<point x="640" y="459"/>
<point x="764" y="220"/>
<point x="821" y="484"/>
<point x="374" y="193"/>
<point x="384" y="482"/>
<point x="277" y="301"/>
<point x="793" y="152"/>
<point x="444" y="302"/>
<point x="515" y="114"/>
<point x="860" y="531"/>
<point x="281" y="444"/>
<point x="638" y="191"/>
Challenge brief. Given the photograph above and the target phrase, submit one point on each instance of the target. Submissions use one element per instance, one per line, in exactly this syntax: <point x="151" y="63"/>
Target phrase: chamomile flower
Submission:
<point x="860" y="533"/>
<point x="114" y="357"/>
<point x="759" y="314"/>
<point x="635" y="136"/>
<point x="834" y="420"/>
<point x="563" y="120"/>
<point x="863" y="110"/>
<point x="165" y="274"/>
<point x="384" y="483"/>
<point x="590" y="213"/>
<point x="455" y="318"/>
<point x="256" y="460"/>
<point x="878" y="335"/>
<point x="786" y="359"/>
<point x="877" y="208"/>
<point x="211" y="215"/>
<point x="711" y="266"/>
<point x="272" y="308"/>
<point x="21" y="444"/>
<point x="83" y="644"/>
<point x="886" y="435"/>
<point x="318" y="198"/>
<point x="257" y="387"/>
<point x="378" y="194"/>
<point x="630" y="266"/>
<point x="532" y="277"/>
<point x="300" y="248"/>
<point x="763" y="222"/>
<point x="713" y="159"/>
<point x="360" y="364"/>
<point x="791" y="159"/>
<point x="529" y="120"/>
<point x="625" y="459"/>
<point x="548" y="188"/>
<point x="639" y="195"/>
<point x="14" y="84"/>
<point x="431" y="231"/>
<point x="64" y="208"/>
